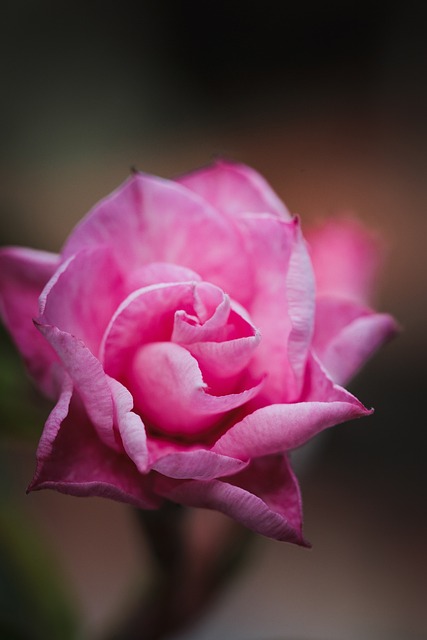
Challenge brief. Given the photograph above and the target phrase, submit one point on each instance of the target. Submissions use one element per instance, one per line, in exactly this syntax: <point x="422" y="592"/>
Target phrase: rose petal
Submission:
<point x="346" y="335"/>
<point x="263" y="497"/>
<point x="129" y="425"/>
<point x="212" y="307"/>
<point x="89" y="380"/>
<point x="283" y="305"/>
<point x="234" y="189"/>
<point x="177" y="460"/>
<point x="82" y="296"/>
<point x="158" y="273"/>
<point x="146" y="315"/>
<point x="345" y="258"/>
<point x="23" y="274"/>
<point x="282" y="427"/>
<point x="169" y="390"/>
<point x="219" y="361"/>
<point x="73" y="460"/>
<point x="149" y="219"/>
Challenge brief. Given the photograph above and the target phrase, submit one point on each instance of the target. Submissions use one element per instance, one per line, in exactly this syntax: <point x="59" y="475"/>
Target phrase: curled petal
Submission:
<point x="88" y="378"/>
<point x="169" y="390"/>
<point x="23" y="274"/>
<point x="222" y="362"/>
<point x="73" y="460"/>
<point x="190" y="461"/>
<point x="235" y="189"/>
<point x="264" y="497"/>
<point x="346" y="335"/>
<point x="146" y="315"/>
<point x="282" y="427"/>
<point x="129" y="425"/>
<point x="212" y="307"/>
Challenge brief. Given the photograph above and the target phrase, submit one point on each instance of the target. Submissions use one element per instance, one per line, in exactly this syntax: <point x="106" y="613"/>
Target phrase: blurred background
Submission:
<point x="328" y="101"/>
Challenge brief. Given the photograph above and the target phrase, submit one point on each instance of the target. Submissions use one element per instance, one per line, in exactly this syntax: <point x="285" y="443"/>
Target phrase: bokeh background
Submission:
<point x="328" y="101"/>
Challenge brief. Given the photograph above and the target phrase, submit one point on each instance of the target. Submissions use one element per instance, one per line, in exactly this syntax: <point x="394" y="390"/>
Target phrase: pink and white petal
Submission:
<point x="73" y="460"/>
<point x="282" y="427"/>
<point x="348" y="351"/>
<point x="283" y="304"/>
<point x="23" y="274"/>
<point x="235" y="189"/>
<point x="345" y="257"/>
<point x="129" y="425"/>
<point x="82" y="295"/>
<point x="190" y="461"/>
<point x="264" y="497"/>
<point x="168" y="389"/>
<point x="88" y="378"/>
<point x="149" y="219"/>
<point x="146" y="315"/>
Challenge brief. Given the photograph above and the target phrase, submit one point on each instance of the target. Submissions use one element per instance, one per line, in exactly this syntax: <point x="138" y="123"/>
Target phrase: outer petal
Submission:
<point x="346" y="335"/>
<point x="82" y="296"/>
<point x="190" y="461"/>
<point x="235" y="189"/>
<point x="282" y="427"/>
<point x="345" y="258"/>
<point x="153" y="220"/>
<point x="129" y="425"/>
<point x="283" y="303"/>
<point x="264" y="497"/>
<point x="88" y="378"/>
<point x="72" y="459"/>
<point x="23" y="274"/>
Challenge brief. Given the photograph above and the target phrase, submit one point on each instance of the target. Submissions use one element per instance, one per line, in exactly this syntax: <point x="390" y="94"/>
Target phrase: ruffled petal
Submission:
<point x="235" y="189"/>
<point x="190" y="461"/>
<point x="73" y="460"/>
<point x="23" y="274"/>
<point x="146" y="315"/>
<point x="282" y="427"/>
<point x="345" y="258"/>
<point x="169" y="391"/>
<point x="149" y="219"/>
<point x="264" y="497"/>
<point x="346" y="335"/>
<point x="283" y="304"/>
<point x="88" y="378"/>
<point x="223" y="346"/>
<point x="129" y="425"/>
<point x="82" y="296"/>
<point x="212" y="308"/>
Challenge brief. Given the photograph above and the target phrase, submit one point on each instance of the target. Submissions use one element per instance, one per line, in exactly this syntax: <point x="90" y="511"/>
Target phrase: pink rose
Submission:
<point x="180" y="334"/>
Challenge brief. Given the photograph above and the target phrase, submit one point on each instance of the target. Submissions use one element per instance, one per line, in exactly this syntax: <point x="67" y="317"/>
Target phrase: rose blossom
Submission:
<point x="180" y="333"/>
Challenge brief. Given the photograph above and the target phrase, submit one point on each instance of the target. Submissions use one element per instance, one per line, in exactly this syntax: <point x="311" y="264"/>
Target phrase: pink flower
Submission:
<point x="180" y="333"/>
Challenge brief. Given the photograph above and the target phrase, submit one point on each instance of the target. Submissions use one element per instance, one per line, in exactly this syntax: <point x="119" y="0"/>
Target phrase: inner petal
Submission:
<point x="169" y="391"/>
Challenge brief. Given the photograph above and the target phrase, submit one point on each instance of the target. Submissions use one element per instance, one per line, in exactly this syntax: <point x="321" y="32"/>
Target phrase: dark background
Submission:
<point x="328" y="101"/>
